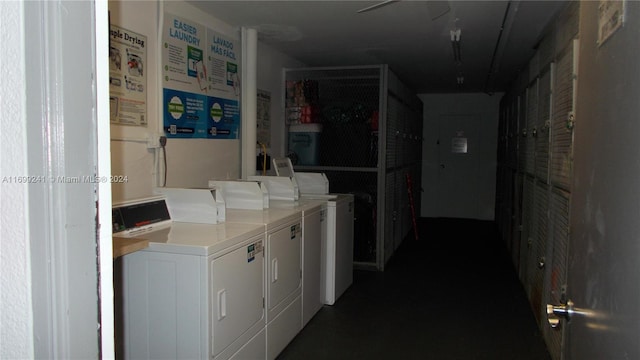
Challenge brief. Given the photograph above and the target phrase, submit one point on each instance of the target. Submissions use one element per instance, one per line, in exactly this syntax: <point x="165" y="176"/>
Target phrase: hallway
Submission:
<point x="453" y="294"/>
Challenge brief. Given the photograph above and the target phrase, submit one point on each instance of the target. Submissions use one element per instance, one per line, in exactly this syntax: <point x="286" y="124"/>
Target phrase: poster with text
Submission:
<point x="127" y="77"/>
<point x="201" y="87"/>
<point x="263" y="119"/>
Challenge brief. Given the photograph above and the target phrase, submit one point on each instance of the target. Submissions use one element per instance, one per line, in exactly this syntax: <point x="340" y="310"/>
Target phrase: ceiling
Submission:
<point x="497" y="38"/>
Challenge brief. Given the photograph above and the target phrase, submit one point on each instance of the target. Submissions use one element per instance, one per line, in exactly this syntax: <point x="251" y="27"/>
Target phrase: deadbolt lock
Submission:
<point x="557" y="312"/>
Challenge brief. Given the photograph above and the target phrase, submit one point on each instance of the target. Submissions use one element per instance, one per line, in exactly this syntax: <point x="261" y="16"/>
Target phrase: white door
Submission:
<point x="457" y="193"/>
<point x="603" y="263"/>
<point x="602" y="292"/>
<point x="236" y="293"/>
<point x="284" y="263"/>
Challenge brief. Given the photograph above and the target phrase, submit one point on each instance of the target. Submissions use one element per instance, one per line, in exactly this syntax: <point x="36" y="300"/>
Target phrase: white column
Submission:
<point x="249" y="100"/>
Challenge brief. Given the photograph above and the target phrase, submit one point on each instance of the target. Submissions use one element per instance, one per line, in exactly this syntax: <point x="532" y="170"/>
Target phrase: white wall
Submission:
<point x="487" y="109"/>
<point x="131" y="158"/>
<point x="191" y="162"/>
<point x="16" y="332"/>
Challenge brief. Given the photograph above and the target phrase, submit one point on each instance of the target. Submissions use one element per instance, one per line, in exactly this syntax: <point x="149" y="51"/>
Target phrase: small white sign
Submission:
<point x="459" y="145"/>
<point x="610" y="18"/>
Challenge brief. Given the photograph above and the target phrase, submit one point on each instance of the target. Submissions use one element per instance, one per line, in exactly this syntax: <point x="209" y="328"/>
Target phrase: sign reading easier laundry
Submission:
<point x="201" y="88"/>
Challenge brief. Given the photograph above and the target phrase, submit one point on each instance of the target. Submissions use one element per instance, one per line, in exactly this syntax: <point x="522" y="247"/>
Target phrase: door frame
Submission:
<point x="71" y="273"/>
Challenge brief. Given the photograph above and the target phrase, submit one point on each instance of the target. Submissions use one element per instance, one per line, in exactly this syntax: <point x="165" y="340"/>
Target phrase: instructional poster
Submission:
<point x="127" y="77"/>
<point x="263" y="119"/>
<point x="201" y="85"/>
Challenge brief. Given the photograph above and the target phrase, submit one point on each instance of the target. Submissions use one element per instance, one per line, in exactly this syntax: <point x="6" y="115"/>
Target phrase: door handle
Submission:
<point x="274" y="270"/>
<point x="222" y="304"/>
<point x="557" y="312"/>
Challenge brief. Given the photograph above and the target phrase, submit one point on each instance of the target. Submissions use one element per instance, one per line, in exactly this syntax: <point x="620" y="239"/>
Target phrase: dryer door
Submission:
<point x="283" y="274"/>
<point x="237" y="293"/>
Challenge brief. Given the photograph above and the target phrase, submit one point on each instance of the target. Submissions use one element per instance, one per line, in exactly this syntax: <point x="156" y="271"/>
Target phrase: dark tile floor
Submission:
<point x="453" y="294"/>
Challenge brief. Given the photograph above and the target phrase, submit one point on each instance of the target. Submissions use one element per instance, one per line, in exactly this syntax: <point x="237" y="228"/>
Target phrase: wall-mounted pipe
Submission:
<point x="505" y="29"/>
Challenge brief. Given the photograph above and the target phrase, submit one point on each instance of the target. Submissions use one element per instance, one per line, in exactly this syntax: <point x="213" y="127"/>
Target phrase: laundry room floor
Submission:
<point x="452" y="294"/>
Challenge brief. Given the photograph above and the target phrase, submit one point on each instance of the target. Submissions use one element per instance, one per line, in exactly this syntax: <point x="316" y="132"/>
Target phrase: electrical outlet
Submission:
<point x="153" y="141"/>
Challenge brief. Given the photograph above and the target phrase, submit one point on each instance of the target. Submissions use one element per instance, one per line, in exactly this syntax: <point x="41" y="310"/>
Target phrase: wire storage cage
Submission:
<point x="339" y="123"/>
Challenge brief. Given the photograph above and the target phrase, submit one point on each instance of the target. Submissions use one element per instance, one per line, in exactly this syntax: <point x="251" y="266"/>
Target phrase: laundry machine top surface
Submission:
<point x="304" y="205"/>
<point x="201" y="239"/>
<point x="271" y="218"/>
<point x="331" y="199"/>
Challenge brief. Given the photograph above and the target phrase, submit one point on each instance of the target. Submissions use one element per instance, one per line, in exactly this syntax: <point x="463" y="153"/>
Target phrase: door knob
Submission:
<point x="541" y="262"/>
<point x="557" y="312"/>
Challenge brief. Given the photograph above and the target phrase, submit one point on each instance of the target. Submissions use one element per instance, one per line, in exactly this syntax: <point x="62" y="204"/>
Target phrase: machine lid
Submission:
<point x="283" y="167"/>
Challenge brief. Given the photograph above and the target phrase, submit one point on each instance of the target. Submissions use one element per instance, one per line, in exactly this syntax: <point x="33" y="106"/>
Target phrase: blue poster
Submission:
<point x="188" y="115"/>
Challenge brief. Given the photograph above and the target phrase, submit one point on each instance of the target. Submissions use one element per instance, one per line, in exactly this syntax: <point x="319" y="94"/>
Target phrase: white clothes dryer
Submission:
<point x="196" y="292"/>
<point x="314" y="217"/>
<point x="283" y="249"/>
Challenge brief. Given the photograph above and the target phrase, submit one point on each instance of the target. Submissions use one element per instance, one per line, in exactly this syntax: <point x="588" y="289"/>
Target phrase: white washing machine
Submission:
<point x="337" y="249"/>
<point x="197" y="292"/>
<point x="283" y="248"/>
<point x="314" y="217"/>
